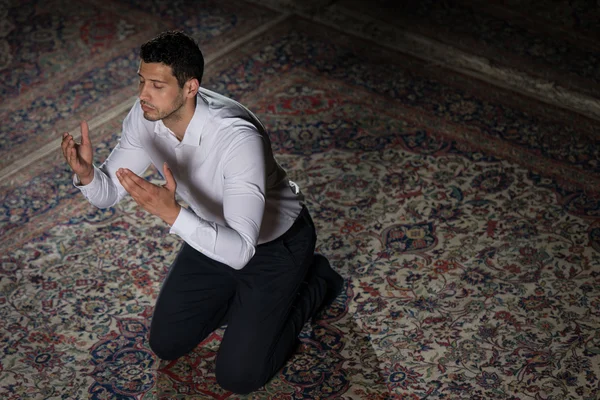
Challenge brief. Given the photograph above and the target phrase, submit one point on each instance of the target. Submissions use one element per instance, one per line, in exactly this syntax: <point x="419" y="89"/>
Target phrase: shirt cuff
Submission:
<point x="90" y="186"/>
<point x="185" y="224"/>
<point x="197" y="232"/>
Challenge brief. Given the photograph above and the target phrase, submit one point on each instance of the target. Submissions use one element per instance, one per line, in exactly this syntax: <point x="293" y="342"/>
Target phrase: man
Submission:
<point x="248" y="253"/>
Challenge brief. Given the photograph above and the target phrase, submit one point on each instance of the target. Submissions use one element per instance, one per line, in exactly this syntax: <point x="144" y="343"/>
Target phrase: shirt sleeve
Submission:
<point x="105" y="190"/>
<point x="244" y="174"/>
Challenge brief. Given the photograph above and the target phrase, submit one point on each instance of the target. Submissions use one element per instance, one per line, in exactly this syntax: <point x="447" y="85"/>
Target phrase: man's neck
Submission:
<point x="179" y="121"/>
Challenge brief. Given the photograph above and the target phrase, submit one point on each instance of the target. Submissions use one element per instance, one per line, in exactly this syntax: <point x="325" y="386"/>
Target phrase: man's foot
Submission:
<point x="335" y="282"/>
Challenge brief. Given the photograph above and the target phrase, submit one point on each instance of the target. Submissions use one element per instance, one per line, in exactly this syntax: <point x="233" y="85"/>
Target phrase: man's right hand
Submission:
<point x="79" y="156"/>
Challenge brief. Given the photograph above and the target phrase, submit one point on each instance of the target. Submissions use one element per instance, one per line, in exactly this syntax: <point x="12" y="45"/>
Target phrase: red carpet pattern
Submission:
<point x="73" y="62"/>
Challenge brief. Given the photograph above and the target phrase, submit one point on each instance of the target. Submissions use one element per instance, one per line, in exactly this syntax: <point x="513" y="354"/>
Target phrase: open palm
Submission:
<point x="79" y="156"/>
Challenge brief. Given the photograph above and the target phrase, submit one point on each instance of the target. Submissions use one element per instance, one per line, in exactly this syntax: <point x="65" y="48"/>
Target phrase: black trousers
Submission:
<point x="266" y="304"/>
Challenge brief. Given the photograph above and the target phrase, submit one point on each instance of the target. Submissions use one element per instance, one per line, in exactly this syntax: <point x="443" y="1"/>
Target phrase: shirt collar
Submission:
<point x="193" y="133"/>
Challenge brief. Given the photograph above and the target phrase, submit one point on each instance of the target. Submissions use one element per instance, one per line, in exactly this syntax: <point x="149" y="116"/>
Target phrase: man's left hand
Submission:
<point x="157" y="200"/>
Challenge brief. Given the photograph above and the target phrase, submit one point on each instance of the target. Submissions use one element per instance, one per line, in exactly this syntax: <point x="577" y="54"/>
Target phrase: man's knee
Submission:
<point x="240" y="376"/>
<point x="164" y="349"/>
<point x="169" y="345"/>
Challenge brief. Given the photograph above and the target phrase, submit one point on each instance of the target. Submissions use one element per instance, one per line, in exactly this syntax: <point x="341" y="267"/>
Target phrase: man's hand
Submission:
<point x="157" y="200"/>
<point x="79" y="156"/>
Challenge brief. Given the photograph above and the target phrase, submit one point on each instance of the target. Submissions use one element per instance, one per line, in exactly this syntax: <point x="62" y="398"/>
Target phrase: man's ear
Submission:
<point x="191" y="87"/>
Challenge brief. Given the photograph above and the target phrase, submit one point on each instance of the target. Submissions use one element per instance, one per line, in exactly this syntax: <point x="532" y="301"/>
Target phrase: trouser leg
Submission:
<point x="192" y="303"/>
<point x="269" y="310"/>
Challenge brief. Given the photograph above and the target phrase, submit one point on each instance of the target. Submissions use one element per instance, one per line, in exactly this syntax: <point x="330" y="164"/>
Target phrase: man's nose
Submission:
<point x="143" y="95"/>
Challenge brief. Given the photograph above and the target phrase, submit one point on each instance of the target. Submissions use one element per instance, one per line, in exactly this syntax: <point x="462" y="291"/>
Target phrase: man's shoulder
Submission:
<point x="230" y="115"/>
<point x="219" y="105"/>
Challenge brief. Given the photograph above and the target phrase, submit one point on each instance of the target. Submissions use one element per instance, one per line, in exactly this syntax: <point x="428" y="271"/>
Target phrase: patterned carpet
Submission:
<point x="465" y="217"/>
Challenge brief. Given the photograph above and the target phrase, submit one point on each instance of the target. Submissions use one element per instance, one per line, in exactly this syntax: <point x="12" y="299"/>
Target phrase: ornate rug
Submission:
<point x="465" y="219"/>
<point x="63" y="61"/>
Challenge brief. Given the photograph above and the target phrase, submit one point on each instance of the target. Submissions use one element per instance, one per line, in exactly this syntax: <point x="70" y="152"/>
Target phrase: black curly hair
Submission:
<point x="177" y="50"/>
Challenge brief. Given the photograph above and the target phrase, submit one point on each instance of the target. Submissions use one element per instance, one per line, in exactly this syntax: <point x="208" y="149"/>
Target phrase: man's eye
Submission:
<point x="158" y="86"/>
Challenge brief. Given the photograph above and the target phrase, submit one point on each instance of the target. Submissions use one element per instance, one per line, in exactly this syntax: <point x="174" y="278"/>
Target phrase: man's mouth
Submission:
<point x="146" y="107"/>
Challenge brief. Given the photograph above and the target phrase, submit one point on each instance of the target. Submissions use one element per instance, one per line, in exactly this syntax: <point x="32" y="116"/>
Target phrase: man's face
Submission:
<point x="160" y="95"/>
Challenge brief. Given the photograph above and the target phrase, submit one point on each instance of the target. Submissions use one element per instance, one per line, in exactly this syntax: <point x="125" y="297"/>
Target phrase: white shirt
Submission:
<point x="224" y="169"/>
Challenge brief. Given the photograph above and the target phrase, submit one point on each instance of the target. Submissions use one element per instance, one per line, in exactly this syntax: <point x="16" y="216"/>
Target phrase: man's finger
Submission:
<point x="171" y="184"/>
<point x="64" y="144"/>
<point x="133" y="183"/>
<point x="127" y="183"/>
<point x="72" y="159"/>
<point x="69" y="148"/>
<point x="65" y="139"/>
<point x="85" y="133"/>
<point x="139" y="181"/>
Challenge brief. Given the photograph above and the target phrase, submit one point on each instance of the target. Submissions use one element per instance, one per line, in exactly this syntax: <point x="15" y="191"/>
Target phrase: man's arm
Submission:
<point x="243" y="207"/>
<point x="104" y="189"/>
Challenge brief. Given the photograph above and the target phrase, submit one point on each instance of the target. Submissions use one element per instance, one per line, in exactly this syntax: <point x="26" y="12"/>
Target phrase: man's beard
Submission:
<point x="171" y="113"/>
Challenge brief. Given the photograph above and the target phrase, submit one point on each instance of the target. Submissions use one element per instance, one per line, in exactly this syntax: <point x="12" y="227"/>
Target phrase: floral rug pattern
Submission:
<point x="468" y="276"/>
<point x="69" y="62"/>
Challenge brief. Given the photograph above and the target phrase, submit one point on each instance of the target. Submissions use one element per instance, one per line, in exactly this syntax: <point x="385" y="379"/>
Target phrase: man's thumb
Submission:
<point x="85" y="133"/>
<point x="171" y="184"/>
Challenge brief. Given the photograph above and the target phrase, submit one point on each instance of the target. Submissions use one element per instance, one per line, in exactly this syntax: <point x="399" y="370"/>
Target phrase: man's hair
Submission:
<point x="177" y="50"/>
